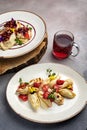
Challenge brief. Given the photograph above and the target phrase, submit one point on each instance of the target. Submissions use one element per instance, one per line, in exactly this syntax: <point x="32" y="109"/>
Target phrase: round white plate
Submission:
<point x="70" y="108"/>
<point x="28" y="18"/>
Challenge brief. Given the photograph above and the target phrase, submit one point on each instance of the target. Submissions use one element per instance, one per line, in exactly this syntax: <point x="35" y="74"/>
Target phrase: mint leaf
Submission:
<point x="18" y="41"/>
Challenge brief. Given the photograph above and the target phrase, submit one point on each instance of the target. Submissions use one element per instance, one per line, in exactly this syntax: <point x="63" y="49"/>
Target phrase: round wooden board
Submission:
<point x="15" y="64"/>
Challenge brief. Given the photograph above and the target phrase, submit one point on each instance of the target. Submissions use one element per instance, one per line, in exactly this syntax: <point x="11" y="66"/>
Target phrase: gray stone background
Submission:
<point x="58" y="14"/>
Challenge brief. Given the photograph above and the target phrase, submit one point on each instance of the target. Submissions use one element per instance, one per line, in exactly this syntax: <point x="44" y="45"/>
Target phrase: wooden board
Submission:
<point x="15" y="64"/>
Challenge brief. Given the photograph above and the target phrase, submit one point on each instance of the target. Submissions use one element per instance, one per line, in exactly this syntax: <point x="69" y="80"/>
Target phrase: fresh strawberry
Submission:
<point x="36" y="84"/>
<point x="23" y="97"/>
<point x="45" y="87"/>
<point x="59" y="82"/>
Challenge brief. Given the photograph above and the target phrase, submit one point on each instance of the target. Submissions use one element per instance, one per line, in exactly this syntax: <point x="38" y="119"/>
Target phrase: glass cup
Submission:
<point x="63" y="44"/>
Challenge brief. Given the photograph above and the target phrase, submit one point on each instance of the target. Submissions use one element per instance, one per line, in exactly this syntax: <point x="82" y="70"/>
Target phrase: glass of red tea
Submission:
<point x="63" y="44"/>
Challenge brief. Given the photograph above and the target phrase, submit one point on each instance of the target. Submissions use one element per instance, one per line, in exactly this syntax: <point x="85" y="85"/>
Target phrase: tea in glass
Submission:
<point x="62" y="44"/>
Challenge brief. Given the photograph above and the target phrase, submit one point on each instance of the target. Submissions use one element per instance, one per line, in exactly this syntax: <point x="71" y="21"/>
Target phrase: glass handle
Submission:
<point x="77" y="48"/>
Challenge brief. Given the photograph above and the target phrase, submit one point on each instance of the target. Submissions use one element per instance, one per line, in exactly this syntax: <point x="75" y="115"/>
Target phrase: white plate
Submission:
<point x="56" y="113"/>
<point x="38" y="27"/>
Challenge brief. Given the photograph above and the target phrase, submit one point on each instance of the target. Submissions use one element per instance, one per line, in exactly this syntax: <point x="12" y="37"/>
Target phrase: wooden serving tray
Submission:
<point x="15" y="64"/>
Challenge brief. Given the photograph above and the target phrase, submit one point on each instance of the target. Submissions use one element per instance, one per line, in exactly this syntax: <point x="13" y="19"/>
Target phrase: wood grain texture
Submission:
<point x="15" y="64"/>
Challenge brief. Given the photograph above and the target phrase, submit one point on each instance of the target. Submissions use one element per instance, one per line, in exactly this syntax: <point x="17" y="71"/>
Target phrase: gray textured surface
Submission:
<point x="58" y="14"/>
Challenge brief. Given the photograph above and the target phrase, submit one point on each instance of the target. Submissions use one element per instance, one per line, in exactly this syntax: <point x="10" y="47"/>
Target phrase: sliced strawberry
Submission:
<point x="36" y="84"/>
<point x="45" y="87"/>
<point x="56" y="87"/>
<point x="45" y="95"/>
<point x="59" y="82"/>
<point x="26" y="35"/>
<point x="23" y="97"/>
